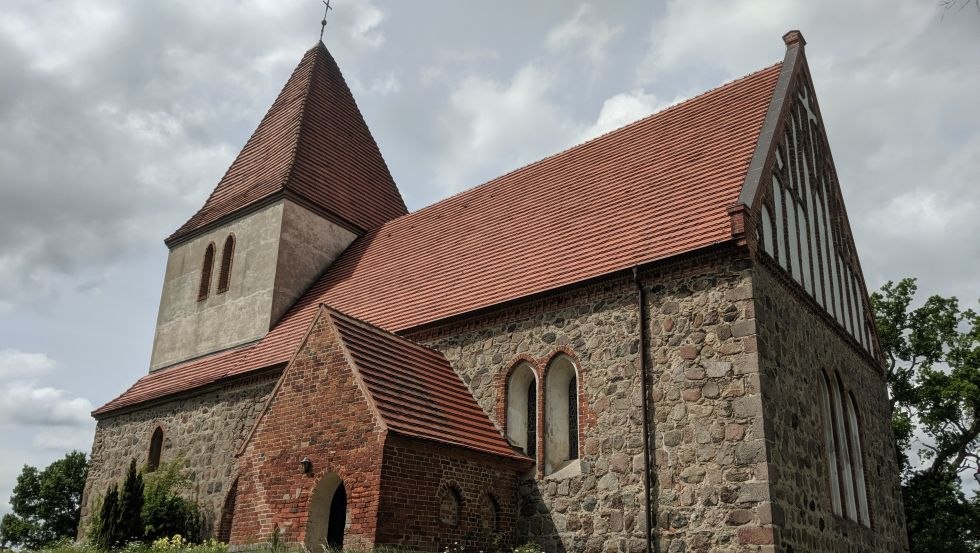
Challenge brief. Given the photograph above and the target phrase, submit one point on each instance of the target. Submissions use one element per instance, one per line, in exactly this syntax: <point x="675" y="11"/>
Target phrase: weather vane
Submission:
<point x="323" y="22"/>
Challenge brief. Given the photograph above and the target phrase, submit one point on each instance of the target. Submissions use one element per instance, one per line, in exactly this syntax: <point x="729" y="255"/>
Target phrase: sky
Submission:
<point x="117" y="118"/>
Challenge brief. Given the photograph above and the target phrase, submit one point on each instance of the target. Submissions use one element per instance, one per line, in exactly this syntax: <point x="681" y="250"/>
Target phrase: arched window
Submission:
<point x="206" y="269"/>
<point x="561" y="414"/>
<point x="844" y="454"/>
<point x="522" y="409"/>
<point x="156" y="448"/>
<point x="858" y="461"/>
<point x="450" y="505"/>
<point x="227" y="255"/>
<point x="830" y="444"/>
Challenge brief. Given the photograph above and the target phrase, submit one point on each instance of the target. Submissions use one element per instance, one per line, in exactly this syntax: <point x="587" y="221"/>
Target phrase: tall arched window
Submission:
<point x="858" y="461"/>
<point x="522" y="409"/>
<point x="227" y="254"/>
<point x="844" y="454"/>
<point x="206" y="269"/>
<point x="561" y="414"/>
<point x="156" y="448"/>
<point x="830" y="444"/>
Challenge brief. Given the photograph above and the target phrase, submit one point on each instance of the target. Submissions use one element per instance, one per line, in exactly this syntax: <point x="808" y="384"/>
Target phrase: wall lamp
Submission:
<point x="307" y="465"/>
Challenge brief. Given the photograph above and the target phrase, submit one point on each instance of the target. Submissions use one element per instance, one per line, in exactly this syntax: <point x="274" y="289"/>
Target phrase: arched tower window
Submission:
<point x="227" y="255"/>
<point x="206" y="269"/>
<point x="156" y="448"/>
<point x="845" y="456"/>
<point x="561" y="414"/>
<point x="522" y="409"/>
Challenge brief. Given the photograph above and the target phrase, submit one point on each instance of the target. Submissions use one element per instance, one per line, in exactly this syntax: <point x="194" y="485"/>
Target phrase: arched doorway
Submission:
<point x="328" y="514"/>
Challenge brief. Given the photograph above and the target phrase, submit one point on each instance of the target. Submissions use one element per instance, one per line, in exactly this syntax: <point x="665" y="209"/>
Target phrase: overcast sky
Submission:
<point x="117" y="118"/>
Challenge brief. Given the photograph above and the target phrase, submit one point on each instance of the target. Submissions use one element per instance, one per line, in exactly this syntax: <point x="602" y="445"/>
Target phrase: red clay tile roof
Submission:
<point x="653" y="189"/>
<point x="313" y="142"/>
<point x="415" y="390"/>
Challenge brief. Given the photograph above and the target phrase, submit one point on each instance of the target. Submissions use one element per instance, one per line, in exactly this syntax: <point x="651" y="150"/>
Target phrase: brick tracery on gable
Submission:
<point x="800" y="222"/>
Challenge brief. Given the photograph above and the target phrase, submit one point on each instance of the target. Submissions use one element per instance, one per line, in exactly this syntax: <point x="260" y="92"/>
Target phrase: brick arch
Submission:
<point x="452" y="504"/>
<point x="504" y="401"/>
<point x="223" y="533"/>
<point x="490" y="515"/>
<point x="560" y="440"/>
<point x="319" y="510"/>
<point x="500" y="385"/>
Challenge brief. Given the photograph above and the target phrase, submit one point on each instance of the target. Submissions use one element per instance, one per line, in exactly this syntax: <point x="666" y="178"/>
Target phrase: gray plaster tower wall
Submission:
<point x="279" y="250"/>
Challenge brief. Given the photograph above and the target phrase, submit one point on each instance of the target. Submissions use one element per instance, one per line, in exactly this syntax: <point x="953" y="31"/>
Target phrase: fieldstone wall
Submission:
<point x="710" y="490"/>
<point x="204" y="430"/>
<point x="712" y="481"/>
<point x="598" y="507"/>
<point x="796" y="343"/>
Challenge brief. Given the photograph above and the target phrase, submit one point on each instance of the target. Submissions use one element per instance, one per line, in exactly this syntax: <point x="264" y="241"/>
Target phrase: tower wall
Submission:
<point x="279" y="250"/>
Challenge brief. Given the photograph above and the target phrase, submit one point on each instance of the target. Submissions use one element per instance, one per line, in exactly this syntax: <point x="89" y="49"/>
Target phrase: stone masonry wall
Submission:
<point x="711" y="485"/>
<point x="597" y="507"/>
<point x="711" y="491"/>
<point x="204" y="430"/>
<point x="788" y="334"/>
<point x="414" y="477"/>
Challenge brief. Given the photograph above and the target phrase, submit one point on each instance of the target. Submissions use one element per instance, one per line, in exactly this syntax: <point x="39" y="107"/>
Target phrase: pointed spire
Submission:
<point x="312" y="144"/>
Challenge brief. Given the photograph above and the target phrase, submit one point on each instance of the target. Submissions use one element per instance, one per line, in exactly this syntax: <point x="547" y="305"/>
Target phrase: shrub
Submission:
<point x="165" y="512"/>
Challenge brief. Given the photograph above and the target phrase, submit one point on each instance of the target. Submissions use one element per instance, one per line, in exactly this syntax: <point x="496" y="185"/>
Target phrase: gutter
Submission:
<point x="641" y="307"/>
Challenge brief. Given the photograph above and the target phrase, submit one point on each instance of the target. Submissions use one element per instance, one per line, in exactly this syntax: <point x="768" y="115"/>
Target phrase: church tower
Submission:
<point x="308" y="182"/>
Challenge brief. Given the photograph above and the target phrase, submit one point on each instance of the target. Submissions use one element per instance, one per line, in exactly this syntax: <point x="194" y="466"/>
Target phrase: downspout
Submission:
<point x="641" y="309"/>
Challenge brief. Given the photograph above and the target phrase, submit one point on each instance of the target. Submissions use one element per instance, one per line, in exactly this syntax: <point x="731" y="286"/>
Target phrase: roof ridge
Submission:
<point x="301" y="123"/>
<point x="362" y="322"/>
<point x="588" y="142"/>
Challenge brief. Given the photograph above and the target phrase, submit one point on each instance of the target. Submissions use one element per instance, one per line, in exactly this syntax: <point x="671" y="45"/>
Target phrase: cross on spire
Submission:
<point x="323" y="22"/>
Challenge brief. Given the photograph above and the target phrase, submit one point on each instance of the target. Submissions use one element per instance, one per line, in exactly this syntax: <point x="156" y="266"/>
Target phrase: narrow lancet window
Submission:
<point x="156" y="449"/>
<point x="227" y="255"/>
<point x="206" y="269"/>
<point x="561" y="414"/>
<point x="522" y="412"/>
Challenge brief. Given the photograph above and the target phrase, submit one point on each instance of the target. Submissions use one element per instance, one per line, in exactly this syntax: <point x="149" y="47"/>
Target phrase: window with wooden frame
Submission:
<point x="227" y="256"/>
<point x="207" y="267"/>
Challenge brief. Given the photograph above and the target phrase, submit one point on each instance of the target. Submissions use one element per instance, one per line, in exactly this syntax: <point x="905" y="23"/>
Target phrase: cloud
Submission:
<point x="25" y="403"/>
<point x="620" y="110"/>
<point x="585" y="29"/>
<point x="498" y="124"/>
<point x="19" y="364"/>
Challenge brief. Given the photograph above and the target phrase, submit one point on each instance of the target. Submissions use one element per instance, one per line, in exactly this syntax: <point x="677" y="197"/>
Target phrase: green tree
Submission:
<point x="932" y="362"/>
<point x="46" y="504"/>
<point x="130" y="522"/>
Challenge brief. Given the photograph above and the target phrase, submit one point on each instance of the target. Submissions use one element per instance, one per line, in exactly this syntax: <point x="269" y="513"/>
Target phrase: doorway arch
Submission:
<point x="327" y="514"/>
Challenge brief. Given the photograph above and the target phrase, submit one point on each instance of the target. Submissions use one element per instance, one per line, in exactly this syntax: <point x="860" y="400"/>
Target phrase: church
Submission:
<point x="657" y="340"/>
